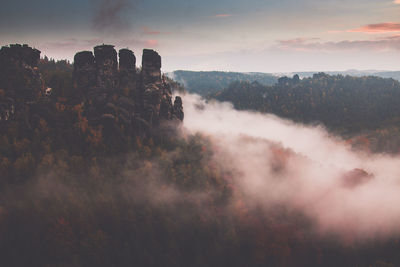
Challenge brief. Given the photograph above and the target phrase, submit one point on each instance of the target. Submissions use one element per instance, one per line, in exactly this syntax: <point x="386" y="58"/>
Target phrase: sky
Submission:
<point x="228" y="35"/>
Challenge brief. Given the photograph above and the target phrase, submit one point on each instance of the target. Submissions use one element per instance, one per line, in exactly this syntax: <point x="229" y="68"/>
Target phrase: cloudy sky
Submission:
<point x="230" y="35"/>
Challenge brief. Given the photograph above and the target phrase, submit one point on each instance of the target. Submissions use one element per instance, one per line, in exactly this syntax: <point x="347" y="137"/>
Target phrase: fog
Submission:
<point x="277" y="162"/>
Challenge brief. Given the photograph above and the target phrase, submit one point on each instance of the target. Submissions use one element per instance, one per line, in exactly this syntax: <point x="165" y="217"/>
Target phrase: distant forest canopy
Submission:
<point x="346" y="105"/>
<point x="357" y="73"/>
<point x="205" y="83"/>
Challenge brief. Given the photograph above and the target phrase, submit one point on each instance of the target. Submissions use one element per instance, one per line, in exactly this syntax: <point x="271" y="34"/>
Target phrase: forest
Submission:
<point x="71" y="195"/>
<point x="205" y="83"/>
<point x="363" y="110"/>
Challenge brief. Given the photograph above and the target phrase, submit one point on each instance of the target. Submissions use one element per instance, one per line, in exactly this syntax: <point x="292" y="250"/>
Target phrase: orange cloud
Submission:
<point x="223" y="15"/>
<point x="379" y="27"/>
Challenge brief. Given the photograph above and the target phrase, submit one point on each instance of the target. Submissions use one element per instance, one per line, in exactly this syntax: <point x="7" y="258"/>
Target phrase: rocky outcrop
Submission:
<point x="127" y="61"/>
<point x="113" y="94"/>
<point x="20" y="81"/>
<point x="116" y="93"/>
<point x="84" y="74"/>
<point x="106" y="67"/>
<point x="178" y="108"/>
<point x="156" y="97"/>
<point x="151" y="67"/>
<point x="157" y="94"/>
<point x="19" y="77"/>
<point x="127" y="73"/>
<point x="20" y="56"/>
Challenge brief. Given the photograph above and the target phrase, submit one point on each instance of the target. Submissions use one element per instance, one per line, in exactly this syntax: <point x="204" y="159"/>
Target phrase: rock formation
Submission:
<point x="127" y="72"/>
<point x="20" y="55"/>
<point x="151" y="67"/>
<point x="20" y="81"/>
<point x="84" y="74"/>
<point x="178" y="108"/>
<point x="106" y="68"/>
<point x="113" y="94"/>
<point x="117" y="93"/>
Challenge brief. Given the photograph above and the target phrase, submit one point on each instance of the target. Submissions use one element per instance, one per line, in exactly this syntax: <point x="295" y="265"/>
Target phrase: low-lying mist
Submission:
<point x="276" y="162"/>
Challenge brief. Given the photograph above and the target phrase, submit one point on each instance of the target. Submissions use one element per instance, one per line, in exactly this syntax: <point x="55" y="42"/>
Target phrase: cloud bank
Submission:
<point x="276" y="162"/>
<point x="378" y="28"/>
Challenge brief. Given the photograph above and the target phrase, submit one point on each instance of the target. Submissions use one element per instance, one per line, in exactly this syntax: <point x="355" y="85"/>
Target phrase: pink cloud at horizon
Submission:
<point x="152" y="43"/>
<point x="378" y="27"/>
<point x="147" y="30"/>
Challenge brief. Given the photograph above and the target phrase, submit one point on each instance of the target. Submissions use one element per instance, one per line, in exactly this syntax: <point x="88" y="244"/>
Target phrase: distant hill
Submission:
<point x="389" y="74"/>
<point x="209" y="82"/>
<point x="206" y="83"/>
<point x="357" y="73"/>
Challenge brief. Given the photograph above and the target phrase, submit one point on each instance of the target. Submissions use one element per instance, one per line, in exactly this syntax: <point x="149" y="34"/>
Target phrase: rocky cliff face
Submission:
<point x="113" y="94"/>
